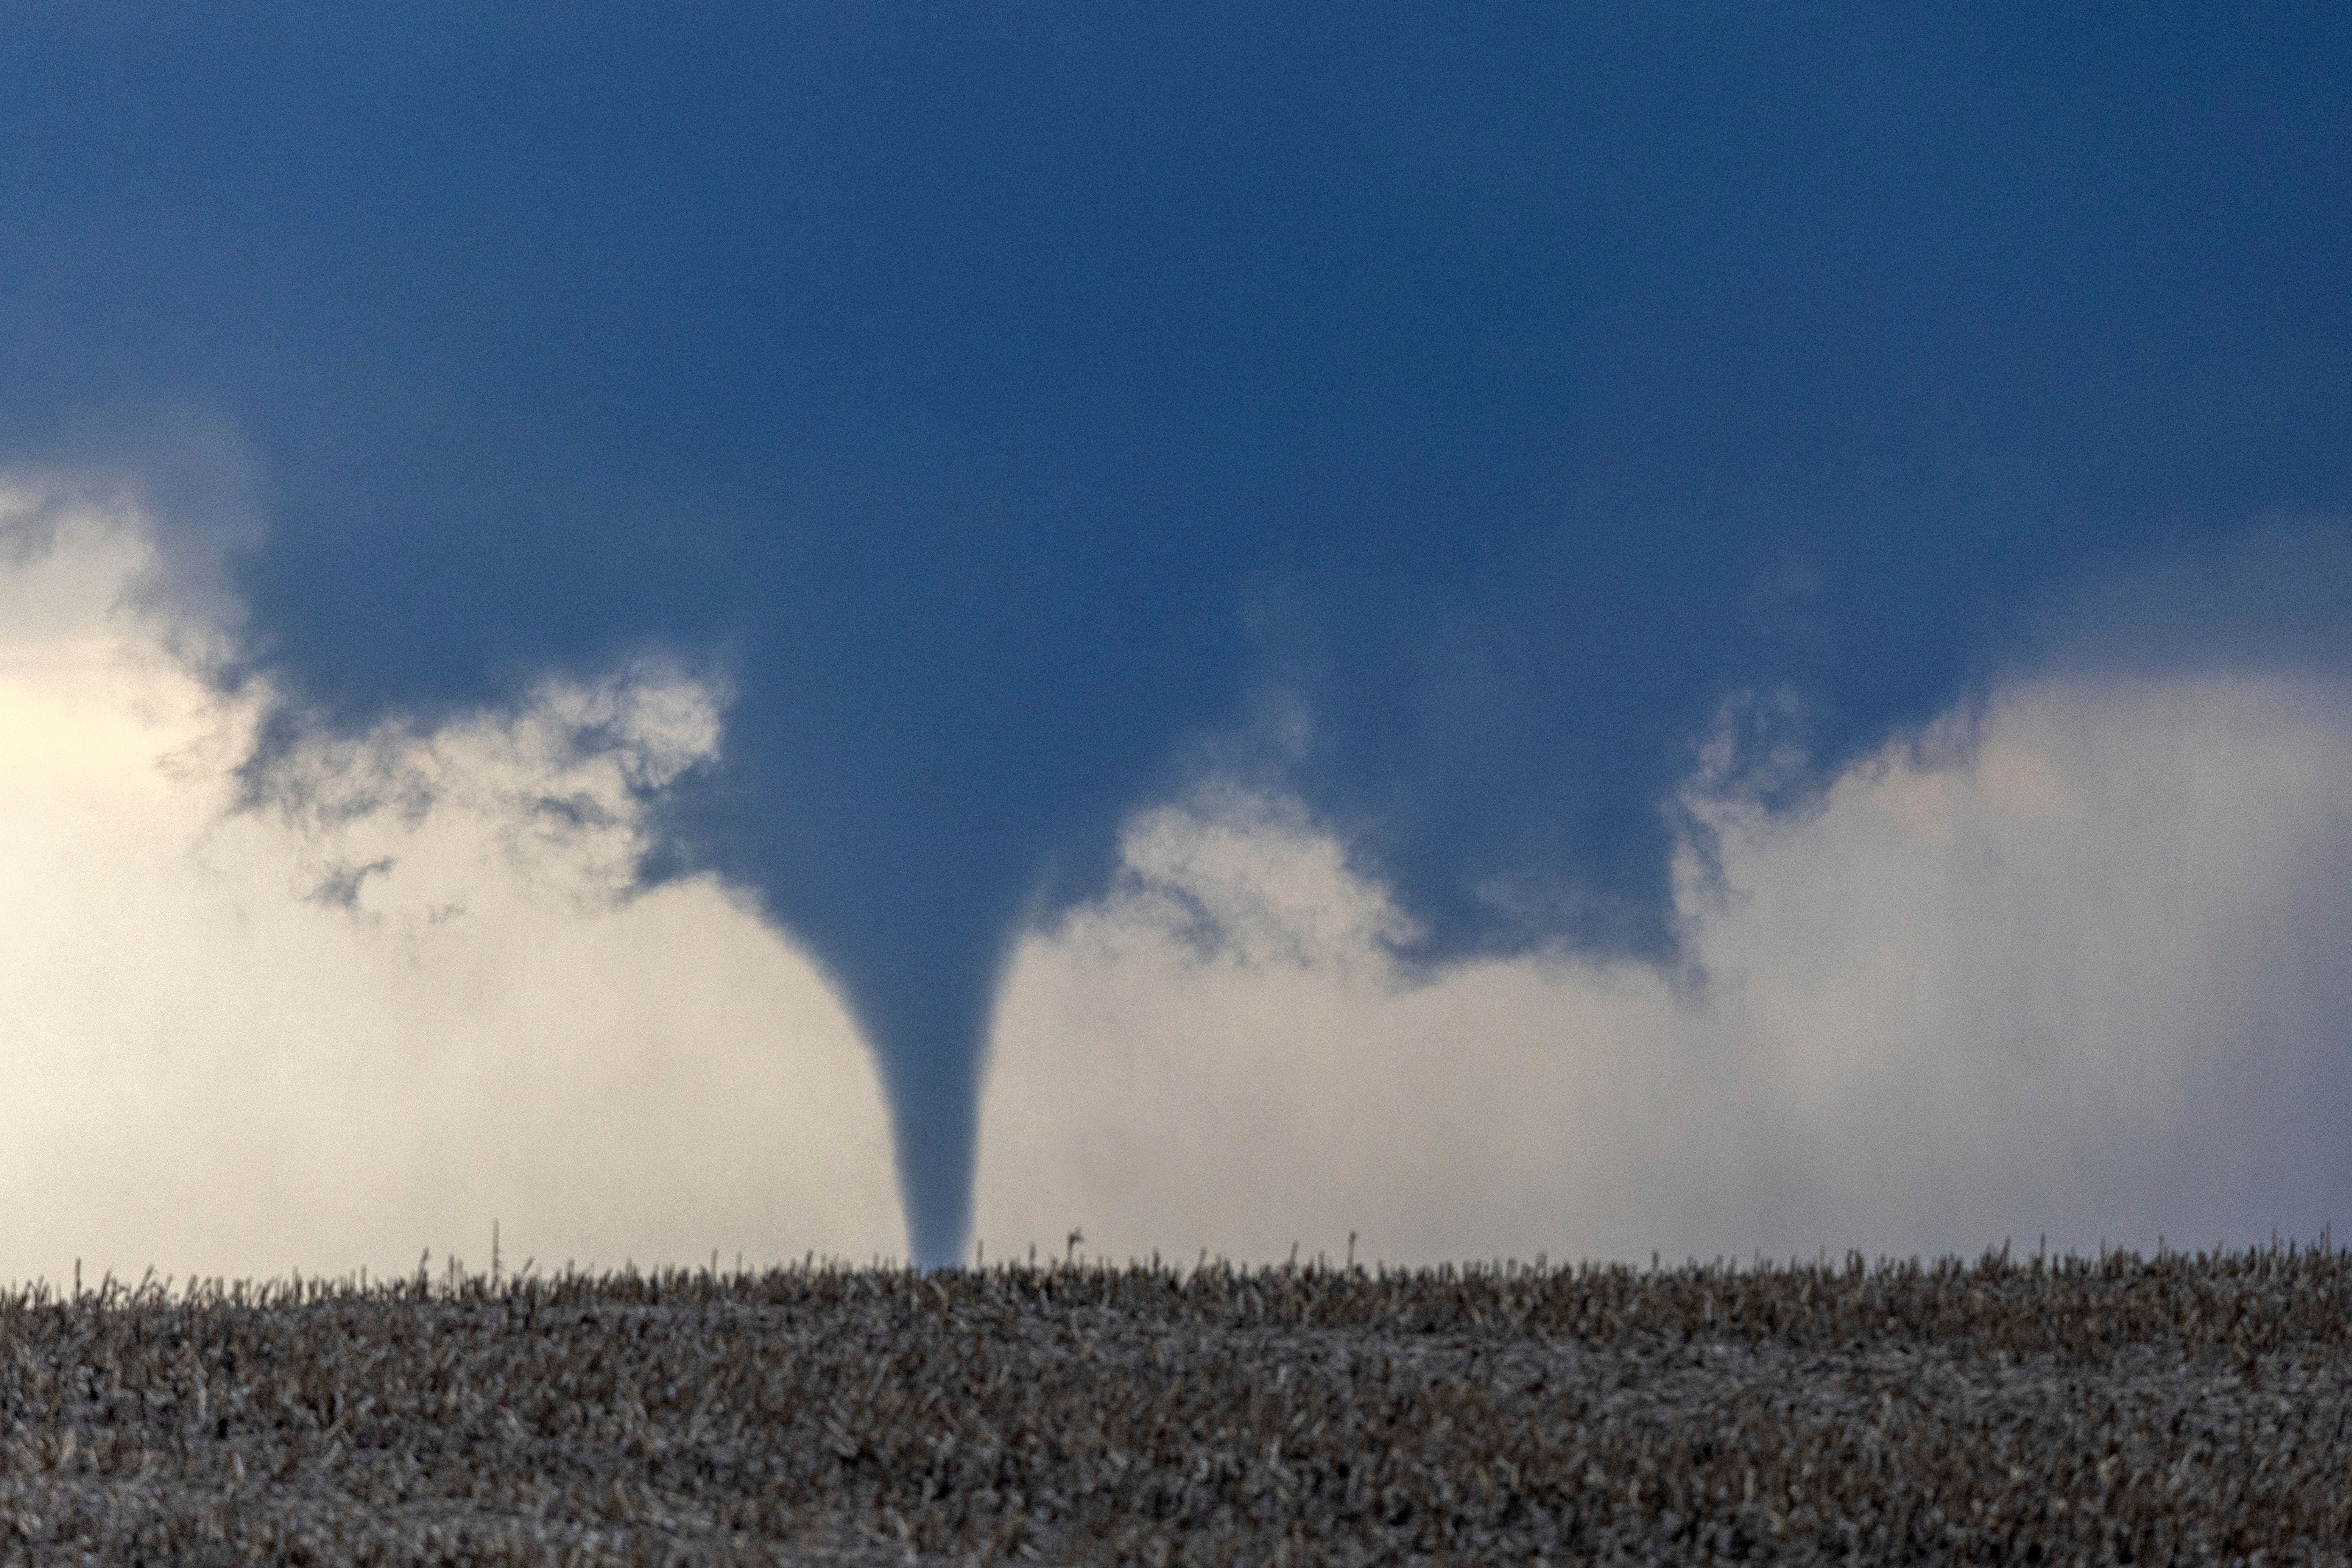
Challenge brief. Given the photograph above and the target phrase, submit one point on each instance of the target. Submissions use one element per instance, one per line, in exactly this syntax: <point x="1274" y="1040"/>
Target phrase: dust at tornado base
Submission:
<point x="2188" y="1408"/>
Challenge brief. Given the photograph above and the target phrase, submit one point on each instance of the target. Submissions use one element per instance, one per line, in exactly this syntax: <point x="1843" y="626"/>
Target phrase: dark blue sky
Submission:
<point x="1011" y="394"/>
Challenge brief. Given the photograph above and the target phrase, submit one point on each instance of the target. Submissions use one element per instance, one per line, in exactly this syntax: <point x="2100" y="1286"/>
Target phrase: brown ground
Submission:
<point x="2190" y="1409"/>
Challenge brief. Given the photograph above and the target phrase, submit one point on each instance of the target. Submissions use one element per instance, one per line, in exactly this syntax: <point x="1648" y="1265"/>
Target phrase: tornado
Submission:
<point x="1544" y="408"/>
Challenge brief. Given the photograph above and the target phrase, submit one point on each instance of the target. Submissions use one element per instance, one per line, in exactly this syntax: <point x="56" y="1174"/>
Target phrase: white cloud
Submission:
<point x="2085" y="976"/>
<point x="404" y="1000"/>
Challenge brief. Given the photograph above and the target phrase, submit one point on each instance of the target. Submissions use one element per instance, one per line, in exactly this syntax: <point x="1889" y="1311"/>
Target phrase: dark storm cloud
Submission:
<point x="2270" y="600"/>
<point x="1014" y="395"/>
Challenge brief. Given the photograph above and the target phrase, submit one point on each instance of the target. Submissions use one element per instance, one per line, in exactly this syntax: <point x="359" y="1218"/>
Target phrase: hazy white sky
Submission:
<point x="2084" y="977"/>
<point x="2078" y="970"/>
<point x="228" y="1050"/>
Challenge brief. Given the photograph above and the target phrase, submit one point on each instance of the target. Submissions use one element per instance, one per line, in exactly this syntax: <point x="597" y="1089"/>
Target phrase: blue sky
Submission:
<point x="1019" y="406"/>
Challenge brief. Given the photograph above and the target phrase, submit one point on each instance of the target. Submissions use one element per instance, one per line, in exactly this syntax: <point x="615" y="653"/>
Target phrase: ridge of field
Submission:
<point x="2189" y="1407"/>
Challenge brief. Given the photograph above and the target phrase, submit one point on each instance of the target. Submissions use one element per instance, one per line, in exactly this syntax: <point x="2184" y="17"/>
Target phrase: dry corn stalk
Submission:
<point x="2187" y="1408"/>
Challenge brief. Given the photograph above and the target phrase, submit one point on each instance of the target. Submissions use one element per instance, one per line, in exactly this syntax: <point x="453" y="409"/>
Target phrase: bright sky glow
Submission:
<point x="213" y="1066"/>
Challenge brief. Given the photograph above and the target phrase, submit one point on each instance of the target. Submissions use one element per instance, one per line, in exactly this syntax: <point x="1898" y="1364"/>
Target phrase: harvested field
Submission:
<point x="2185" y="1409"/>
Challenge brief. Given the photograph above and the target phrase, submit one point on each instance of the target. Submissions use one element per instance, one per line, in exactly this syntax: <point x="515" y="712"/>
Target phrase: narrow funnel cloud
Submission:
<point x="922" y="995"/>
<point x="1021" y="405"/>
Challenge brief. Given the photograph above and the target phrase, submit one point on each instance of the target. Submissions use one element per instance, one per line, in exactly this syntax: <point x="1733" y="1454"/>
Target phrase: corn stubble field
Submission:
<point x="2185" y="1409"/>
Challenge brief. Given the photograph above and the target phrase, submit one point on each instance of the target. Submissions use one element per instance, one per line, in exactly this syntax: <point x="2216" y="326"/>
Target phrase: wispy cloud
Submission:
<point x="2073" y="966"/>
<point x="414" y="989"/>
